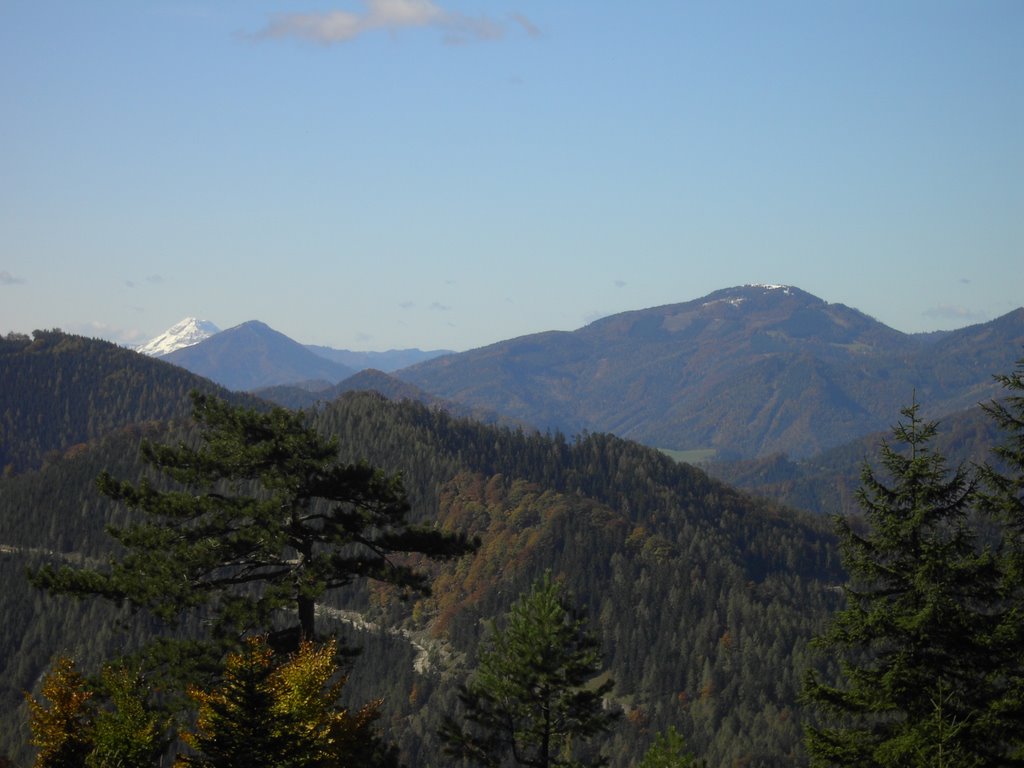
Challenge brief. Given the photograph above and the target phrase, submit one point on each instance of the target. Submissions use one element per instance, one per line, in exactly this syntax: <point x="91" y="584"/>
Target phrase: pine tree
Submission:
<point x="531" y="700"/>
<point x="915" y="637"/>
<point x="262" y="517"/>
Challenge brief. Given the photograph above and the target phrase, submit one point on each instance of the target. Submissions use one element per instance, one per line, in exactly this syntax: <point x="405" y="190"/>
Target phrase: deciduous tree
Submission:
<point x="62" y="723"/>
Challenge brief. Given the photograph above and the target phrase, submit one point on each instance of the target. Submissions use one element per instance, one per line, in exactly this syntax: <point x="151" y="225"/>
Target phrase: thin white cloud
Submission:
<point x="955" y="312"/>
<point x="332" y="27"/>
<point x="96" y="329"/>
<point x="6" y="278"/>
<point x="528" y="26"/>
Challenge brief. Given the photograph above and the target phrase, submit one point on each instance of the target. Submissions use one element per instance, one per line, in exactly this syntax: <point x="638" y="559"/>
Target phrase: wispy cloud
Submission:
<point x="332" y="27"/>
<point x="528" y="26"/>
<point x="6" y="278"/>
<point x="116" y="334"/>
<point x="955" y="312"/>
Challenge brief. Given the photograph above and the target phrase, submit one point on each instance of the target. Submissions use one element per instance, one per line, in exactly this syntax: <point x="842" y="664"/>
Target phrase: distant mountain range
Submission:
<point x="391" y="360"/>
<point x="253" y="355"/>
<point x="744" y="372"/>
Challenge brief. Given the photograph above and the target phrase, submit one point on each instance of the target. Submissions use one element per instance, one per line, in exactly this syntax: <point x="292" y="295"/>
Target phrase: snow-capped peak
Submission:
<point x="184" y="334"/>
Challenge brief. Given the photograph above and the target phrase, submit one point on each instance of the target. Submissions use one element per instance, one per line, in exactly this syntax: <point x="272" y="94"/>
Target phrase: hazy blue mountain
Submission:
<point x="388" y="361"/>
<point x="254" y="355"/>
<point x="746" y="371"/>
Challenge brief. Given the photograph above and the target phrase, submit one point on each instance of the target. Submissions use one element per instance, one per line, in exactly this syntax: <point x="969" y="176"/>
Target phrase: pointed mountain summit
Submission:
<point x="253" y="355"/>
<point x="183" y="334"/>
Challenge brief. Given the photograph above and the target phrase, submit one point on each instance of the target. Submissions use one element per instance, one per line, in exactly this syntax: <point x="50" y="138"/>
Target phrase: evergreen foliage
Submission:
<point x="278" y="714"/>
<point x="59" y="392"/>
<point x="263" y="517"/>
<point x="703" y="599"/>
<point x="529" y="702"/>
<point x="915" y="637"/>
<point x="668" y="751"/>
<point x="1002" y="498"/>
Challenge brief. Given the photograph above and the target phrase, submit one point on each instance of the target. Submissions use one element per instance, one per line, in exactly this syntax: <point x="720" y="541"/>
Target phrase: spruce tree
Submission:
<point x="1001" y="498"/>
<point x="914" y="640"/>
<point x="258" y="517"/>
<point x="529" y="702"/>
<point x="238" y="723"/>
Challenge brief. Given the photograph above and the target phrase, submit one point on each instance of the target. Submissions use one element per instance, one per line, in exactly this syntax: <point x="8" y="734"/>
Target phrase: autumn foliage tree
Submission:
<point x="95" y="724"/>
<point x="268" y="711"/>
<point x="62" y="722"/>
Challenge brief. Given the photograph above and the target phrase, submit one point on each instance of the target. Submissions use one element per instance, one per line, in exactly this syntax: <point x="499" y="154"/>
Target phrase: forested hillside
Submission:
<point x="826" y="483"/>
<point x="704" y="600"/>
<point x="58" y="391"/>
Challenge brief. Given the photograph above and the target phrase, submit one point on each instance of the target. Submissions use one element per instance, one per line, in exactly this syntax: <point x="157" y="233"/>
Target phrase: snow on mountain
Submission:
<point x="184" y="334"/>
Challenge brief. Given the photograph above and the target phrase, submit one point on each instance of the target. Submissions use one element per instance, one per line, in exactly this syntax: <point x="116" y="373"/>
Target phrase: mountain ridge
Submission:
<point x="747" y="371"/>
<point x="254" y="355"/>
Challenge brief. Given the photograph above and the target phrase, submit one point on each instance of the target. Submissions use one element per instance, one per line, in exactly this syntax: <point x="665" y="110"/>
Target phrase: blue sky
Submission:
<point x="399" y="173"/>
